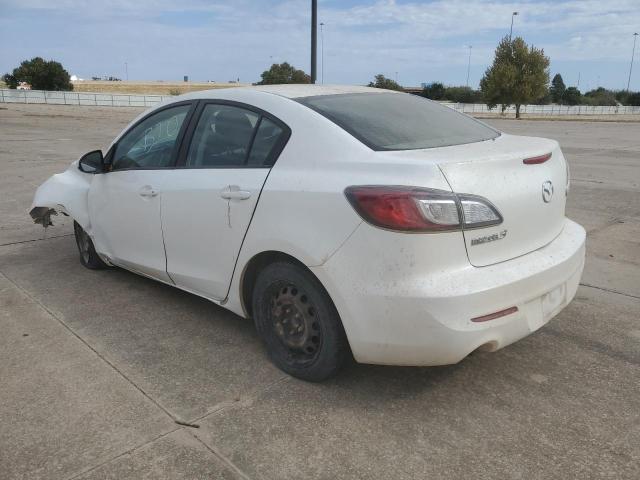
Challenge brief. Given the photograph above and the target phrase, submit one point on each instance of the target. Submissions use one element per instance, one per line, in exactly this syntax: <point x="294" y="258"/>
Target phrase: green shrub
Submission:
<point x="40" y="74"/>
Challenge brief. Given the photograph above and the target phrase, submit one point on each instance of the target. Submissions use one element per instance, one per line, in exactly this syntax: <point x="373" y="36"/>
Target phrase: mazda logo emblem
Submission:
<point x="547" y="191"/>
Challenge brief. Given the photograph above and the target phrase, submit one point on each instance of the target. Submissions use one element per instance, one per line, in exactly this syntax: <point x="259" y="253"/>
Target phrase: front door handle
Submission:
<point x="148" y="191"/>
<point x="233" y="192"/>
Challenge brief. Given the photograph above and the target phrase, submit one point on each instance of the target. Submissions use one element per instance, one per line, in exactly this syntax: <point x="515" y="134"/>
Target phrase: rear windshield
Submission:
<point x="395" y="121"/>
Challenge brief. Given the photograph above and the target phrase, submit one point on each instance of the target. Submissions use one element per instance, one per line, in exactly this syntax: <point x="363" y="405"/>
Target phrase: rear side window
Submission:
<point x="222" y="137"/>
<point x="229" y="136"/>
<point x="395" y="121"/>
<point x="264" y="144"/>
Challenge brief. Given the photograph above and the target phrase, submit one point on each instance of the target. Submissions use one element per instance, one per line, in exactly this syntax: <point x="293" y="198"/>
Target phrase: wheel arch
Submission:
<point x="254" y="266"/>
<point x="261" y="260"/>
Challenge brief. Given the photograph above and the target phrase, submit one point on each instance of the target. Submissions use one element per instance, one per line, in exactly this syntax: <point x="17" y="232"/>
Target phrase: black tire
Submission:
<point x="298" y="322"/>
<point x="88" y="256"/>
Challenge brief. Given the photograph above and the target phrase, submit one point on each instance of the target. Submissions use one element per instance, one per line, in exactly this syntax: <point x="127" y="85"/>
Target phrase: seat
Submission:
<point x="225" y="139"/>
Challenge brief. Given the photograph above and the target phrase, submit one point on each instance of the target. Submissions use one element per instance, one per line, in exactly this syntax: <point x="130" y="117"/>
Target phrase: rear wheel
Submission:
<point x="88" y="256"/>
<point x="298" y="322"/>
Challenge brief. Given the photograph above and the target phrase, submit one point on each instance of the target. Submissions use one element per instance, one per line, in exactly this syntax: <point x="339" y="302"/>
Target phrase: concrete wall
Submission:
<point x="549" y="109"/>
<point x="121" y="100"/>
<point x="79" y="98"/>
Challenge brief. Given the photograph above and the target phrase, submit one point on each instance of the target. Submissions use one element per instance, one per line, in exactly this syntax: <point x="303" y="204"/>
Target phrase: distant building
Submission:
<point x="23" y="86"/>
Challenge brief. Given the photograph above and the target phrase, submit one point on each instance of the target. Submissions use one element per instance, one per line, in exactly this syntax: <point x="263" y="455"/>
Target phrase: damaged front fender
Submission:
<point x="65" y="193"/>
<point x="42" y="215"/>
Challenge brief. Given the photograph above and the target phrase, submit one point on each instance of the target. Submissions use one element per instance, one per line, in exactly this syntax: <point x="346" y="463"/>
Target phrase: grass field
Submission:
<point x="148" y="88"/>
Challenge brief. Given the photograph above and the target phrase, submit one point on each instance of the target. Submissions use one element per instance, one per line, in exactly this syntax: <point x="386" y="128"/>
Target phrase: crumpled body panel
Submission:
<point x="63" y="193"/>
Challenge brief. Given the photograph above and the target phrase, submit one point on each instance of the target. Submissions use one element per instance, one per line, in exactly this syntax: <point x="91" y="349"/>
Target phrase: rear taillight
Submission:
<point x="536" y="160"/>
<point x="412" y="209"/>
<point x="493" y="316"/>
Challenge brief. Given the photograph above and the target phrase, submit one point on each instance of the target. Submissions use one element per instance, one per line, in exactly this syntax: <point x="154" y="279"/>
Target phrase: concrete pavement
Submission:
<point x="96" y="367"/>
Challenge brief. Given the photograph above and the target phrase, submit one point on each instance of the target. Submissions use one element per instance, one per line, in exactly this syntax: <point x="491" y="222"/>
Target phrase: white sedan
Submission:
<point x="342" y="220"/>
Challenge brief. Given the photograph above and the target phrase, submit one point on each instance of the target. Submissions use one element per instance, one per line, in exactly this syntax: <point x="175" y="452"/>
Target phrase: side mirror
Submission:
<point x="91" y="162"/>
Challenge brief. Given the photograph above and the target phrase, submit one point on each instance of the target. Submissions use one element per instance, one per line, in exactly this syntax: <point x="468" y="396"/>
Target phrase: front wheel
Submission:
<point x="88" y="256"/>
<point x="298" y="322"/>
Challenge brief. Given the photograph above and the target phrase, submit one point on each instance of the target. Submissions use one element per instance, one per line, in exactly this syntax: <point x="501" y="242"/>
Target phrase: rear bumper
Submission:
<point x="401" y="317"/>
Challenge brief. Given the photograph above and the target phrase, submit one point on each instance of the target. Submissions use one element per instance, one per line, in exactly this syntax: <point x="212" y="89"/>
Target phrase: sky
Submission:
<point x="588" y="41"/>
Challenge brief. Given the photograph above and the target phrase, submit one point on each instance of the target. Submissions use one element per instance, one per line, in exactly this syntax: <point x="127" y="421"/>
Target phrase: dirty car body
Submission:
<point x="430" y="234"/>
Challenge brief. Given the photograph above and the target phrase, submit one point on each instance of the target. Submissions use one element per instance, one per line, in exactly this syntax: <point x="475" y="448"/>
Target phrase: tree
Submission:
<point x="600" y="96"/>
<point x="546" y="100"/>
<point x="519" y="75"/>
<point x="380" y="81"/>
<point x="633" y="99"/>
<point x="557" y="89"/>
<point x="572" y="96"/>
<point x="462" y="95"/>
<point x="283" y="73"/>
<point x="458" y="94"/>
<point x="622" y="96"/>
<point x="41" y="75"/>
<point x="434" y="91"/>
<point x="10" y="80"/>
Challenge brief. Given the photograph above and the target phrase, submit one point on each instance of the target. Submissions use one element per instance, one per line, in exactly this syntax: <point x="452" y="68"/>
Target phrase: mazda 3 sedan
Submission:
<point x="342" y="220"/>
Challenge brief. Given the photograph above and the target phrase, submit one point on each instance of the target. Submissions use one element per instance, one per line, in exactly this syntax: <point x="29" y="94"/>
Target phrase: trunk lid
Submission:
<point x="531" y="219"/>
<point x="495" y="170"/>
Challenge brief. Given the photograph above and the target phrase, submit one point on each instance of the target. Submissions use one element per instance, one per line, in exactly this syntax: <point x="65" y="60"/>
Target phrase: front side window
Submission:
<point x="397" y="121"/>
<point x="151" y="143"/>
<point x="222" y="137"/>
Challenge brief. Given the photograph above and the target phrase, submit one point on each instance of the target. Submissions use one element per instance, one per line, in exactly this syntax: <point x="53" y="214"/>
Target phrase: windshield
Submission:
<point x="395" y="121"/>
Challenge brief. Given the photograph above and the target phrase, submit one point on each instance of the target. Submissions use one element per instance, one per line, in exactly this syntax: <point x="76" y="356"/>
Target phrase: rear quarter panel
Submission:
<point x="302" y="210"/>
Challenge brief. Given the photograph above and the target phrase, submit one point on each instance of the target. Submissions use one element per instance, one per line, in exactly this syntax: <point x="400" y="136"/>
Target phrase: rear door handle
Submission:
<point x="233" y="192"/>
<point x="148" y="191"/>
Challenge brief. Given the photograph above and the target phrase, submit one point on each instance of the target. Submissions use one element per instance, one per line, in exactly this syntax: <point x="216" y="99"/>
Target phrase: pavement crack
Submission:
<point x="90" y="347"/>
<point x="609" y="290"/>
<point x="228" y="463"/>
<point x="222" y="458"/>
<point x="247" y="401"/>
<point x="220" y="408"/>
<point x="187" y="424"/>
<point x="35" y="240"/>
<point x="120" y="455"/>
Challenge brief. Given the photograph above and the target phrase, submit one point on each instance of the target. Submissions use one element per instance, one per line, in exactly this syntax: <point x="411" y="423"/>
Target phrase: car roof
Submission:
<point x="292" y="90"/>
<point x="248" y="95"/>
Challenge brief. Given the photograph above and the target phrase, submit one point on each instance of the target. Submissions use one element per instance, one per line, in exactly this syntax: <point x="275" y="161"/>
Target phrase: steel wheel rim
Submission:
<point x="295" y="324"/>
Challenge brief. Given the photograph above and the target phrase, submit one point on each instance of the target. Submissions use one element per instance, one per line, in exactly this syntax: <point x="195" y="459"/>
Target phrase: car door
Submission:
<point x="208" y="203"/>
<point x="124" y="203"/>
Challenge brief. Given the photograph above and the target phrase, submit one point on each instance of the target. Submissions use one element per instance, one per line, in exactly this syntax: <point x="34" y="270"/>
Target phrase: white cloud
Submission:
<point x="239" y="37"/>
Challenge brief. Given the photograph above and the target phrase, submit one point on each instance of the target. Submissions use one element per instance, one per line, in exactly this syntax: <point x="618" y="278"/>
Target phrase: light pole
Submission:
<point x="511" y="31"/>
<point x="633" y="52"/>
<point x="314" y="39"/>
<point x="322" y="52"/>
<point x="469" y="64"/>
<point x="396" y="77"/>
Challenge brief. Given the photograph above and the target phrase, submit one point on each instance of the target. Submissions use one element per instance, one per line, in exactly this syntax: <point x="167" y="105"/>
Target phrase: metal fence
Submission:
<point x="549" y="109"/>
<point x="80" y="98"/>
<point x="124" y="100"/>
